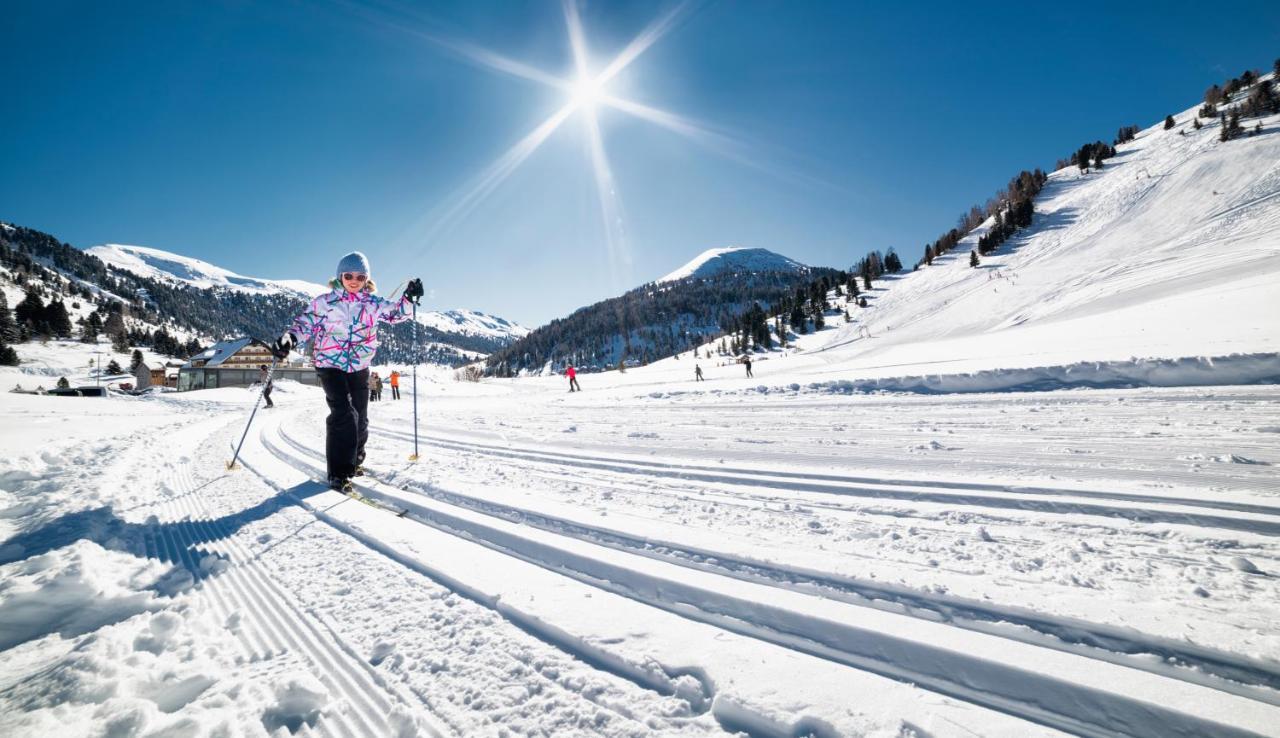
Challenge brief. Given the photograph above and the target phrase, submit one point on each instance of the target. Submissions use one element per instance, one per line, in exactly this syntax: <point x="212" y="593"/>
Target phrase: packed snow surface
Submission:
<point x="734" y="259"/>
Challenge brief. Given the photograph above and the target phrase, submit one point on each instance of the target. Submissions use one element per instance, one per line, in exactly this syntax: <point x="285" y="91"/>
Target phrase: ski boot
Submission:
<point x="341" y="484"/>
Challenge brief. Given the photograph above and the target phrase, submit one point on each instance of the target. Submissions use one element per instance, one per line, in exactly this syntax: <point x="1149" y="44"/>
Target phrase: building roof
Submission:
<point x="219" y="352"/>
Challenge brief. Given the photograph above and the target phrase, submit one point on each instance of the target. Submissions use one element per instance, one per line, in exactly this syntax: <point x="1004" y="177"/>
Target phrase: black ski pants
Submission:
<point x="347" y="427"/>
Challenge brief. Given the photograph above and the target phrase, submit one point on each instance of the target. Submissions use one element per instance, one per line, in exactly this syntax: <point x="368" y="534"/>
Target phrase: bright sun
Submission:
<point x="587" y="92"/>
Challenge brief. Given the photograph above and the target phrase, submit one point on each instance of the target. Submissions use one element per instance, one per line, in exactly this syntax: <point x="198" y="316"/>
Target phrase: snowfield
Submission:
<point x="1090" y="562"/>
<point x="1035" y="498"/>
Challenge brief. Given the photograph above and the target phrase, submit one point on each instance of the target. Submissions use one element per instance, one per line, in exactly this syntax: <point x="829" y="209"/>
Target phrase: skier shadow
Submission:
<point x="175" y="542"/>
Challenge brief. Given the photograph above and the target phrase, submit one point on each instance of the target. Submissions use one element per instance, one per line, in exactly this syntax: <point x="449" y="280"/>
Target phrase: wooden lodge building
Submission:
<point x="235" y="363"/>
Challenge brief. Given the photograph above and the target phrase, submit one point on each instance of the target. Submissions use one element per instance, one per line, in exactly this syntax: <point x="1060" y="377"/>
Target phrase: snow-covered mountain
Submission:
<point x="734" y="259"/>
<point x="473" y="323"/>
<point x="177" y="269"/>
<point x="174" y="268"/>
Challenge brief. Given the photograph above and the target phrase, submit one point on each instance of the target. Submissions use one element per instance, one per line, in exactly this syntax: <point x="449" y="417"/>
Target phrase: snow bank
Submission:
<point x="92" y="649"/>
<point x="73" y="591"/>
<point x="1237" y="369"/>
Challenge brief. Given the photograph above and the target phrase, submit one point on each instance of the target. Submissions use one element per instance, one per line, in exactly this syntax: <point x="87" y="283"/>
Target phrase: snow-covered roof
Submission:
<point x="216" y="354"/>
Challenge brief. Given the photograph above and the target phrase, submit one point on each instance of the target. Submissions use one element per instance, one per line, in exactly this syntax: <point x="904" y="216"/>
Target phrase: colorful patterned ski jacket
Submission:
<point x="343" y="327"/>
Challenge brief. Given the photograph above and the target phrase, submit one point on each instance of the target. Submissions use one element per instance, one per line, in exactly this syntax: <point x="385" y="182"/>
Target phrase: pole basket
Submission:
<point x="413" y="457"/>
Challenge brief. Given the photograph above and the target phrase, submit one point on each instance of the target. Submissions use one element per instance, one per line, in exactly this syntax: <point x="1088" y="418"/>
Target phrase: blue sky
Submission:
<point x="272" y="137"/>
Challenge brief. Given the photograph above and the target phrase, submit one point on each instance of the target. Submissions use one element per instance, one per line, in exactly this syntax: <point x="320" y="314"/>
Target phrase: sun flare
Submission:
<point x="587" y="92"/>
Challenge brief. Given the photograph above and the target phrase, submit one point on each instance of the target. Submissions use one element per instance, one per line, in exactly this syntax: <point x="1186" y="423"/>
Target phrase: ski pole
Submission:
<point x="231" y="465"/>
<point x="414" y="457"/>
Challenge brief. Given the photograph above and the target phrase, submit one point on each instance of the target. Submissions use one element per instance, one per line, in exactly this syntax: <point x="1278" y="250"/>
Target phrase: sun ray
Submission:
<point x="484" y="57"/>
<point x="577" y="40"/>
<point x="480" y="186"/>
<point x="641" y="43"/>
<point x="611" y="212"/>
<point x="719" y="142"/>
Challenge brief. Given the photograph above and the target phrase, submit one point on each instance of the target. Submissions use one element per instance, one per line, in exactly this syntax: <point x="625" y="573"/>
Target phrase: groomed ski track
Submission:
<point x="1062" y="673"/>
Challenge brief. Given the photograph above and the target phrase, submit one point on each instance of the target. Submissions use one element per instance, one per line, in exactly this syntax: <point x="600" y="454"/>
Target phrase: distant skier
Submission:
<point x="697" y="373"/>
<point x="342" y="325"/>
<point x="572" y="374"/>
<point x="747" y="360"/>
<point x="375" y="387"/>
<point x="395" y="385"/>
<point x="264" y="376"/>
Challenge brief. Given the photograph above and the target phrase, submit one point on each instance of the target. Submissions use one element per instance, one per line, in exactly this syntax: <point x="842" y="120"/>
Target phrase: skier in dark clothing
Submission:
<point x="264" y="376"/>
<point x="342" y="325"/>
<point x="697" y="373"/>
<point x="747" y="360"/>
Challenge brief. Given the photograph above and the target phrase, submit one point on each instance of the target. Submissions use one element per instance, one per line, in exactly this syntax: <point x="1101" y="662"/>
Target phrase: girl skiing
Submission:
<point x="343" y="327"/>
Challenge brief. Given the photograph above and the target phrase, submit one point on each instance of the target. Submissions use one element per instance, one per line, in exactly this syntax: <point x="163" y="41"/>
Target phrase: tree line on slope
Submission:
<point x="654" y="321"/>
<point x="125" y="304"/>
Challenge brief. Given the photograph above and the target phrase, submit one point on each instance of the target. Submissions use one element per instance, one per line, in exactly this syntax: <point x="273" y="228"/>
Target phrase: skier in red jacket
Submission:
<point x="572" y="374"/>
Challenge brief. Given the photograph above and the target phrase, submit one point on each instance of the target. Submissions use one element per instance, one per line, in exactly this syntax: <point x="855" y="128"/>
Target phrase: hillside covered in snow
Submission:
<point x="175" y="268"/>
<point x="1168" y="250"/>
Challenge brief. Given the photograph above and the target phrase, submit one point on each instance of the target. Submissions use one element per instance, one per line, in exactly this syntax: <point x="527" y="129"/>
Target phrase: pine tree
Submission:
<point x="8" y="328"/>
<point x="63" y="383"/>
<point x="135" y="360"/>
<point x="973" y="259"/>
<point x="55" y="315"/>
<point x="1169" y="122"/>
<point x="1196" y="123"/>
<point x="116" y="331"/>
<point x="30" y="311"/>
<point x="8" y="357"/>
<point x="90" y="329"/>
<point x="114" y="367"/>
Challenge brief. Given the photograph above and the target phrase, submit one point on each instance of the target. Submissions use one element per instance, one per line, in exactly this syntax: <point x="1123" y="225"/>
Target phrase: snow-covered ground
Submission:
<point x="613" y="562"/>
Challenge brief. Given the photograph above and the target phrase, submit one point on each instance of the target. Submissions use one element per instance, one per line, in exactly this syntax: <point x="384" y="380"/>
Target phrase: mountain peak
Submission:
<point x="734" y="259"/>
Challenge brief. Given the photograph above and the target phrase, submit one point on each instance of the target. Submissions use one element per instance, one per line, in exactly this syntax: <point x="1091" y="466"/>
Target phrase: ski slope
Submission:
<point x="1168" y="251"/>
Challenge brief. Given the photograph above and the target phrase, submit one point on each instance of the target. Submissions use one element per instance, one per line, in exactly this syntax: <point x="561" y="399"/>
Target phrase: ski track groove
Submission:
<point x="1094" y="640"/>
<point x="183" y="527"/>
<point x="272" y="639"/>
<point x="683" y="471"/>
<point x="553" y="683"/>
<point x="295" y="632"/>
<point x="796" y="482"/>
<point x="1082" y="699"/>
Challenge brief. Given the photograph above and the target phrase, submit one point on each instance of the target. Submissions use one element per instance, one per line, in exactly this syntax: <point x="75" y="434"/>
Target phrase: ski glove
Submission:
<point x="414" y="290"/>
<point x="281" y="347"/>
